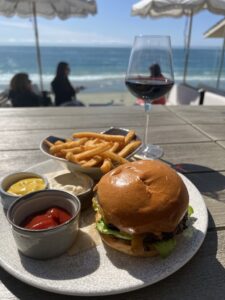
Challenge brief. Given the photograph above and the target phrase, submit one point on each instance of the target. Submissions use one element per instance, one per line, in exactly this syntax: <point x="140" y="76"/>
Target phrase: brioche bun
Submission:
<point x="143" y="196"/>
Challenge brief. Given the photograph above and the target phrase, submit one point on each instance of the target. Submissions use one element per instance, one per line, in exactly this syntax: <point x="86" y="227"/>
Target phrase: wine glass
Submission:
<point x="149" y="77"/>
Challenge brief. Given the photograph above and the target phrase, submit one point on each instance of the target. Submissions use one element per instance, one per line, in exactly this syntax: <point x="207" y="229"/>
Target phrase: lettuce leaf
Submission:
<point x="103" y="228"/>
<point x="190" y="211"/>
<point x="165" y="247"/>
<point x="95" y="205"/>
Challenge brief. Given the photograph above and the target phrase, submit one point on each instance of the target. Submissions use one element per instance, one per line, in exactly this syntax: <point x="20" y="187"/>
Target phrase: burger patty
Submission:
<point x="151" y="238"/>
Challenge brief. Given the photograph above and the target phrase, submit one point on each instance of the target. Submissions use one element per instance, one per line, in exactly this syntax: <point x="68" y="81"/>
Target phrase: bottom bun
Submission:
<point x="117" y="244"/>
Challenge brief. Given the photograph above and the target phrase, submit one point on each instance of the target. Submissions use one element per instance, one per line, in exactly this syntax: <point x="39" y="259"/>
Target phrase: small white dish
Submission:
<point x="76" y="183"/>
<point x="50" y="242"/>
<point x="7" y="198"/>
<point x="94" y="172"/>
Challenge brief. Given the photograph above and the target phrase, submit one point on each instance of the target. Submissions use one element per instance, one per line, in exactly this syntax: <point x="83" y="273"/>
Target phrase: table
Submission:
<point x="192" y="136"/>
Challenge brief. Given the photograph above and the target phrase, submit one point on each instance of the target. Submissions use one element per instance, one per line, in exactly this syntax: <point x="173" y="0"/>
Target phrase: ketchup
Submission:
<point x="47" y="219"/>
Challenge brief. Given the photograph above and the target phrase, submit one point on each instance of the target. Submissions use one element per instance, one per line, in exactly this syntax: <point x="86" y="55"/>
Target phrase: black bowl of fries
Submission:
<point x="93" y="153"/>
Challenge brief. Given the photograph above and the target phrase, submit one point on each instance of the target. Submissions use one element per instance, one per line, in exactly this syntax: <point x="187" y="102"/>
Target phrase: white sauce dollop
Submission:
<point x="72" y="189"/>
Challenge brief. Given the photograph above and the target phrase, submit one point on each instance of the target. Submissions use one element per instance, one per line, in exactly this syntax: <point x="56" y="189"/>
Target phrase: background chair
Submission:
<point x="182" y="94"/>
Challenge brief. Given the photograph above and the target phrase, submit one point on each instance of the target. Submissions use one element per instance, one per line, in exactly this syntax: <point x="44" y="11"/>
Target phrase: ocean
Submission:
<point x="102" y="69"/>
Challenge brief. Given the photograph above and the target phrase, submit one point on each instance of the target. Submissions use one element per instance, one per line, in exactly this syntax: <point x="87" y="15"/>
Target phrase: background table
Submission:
<point x="193" y="139"/>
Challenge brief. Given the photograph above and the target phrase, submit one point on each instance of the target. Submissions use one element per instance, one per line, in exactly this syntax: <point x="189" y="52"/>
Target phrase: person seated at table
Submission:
<point x="65" y="93"/>
<point x="155" y="73"/>
<point x="21" y="93"/>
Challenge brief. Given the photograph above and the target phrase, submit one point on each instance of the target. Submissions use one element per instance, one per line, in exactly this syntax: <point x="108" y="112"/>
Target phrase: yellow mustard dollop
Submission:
<point x="26" y="186"/>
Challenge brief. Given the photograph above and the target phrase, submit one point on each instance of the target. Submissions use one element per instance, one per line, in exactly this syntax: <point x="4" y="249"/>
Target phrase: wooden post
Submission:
<point x="38" y="52"/>
<point x="221" y="64"/>
<point x="187" y="50"/>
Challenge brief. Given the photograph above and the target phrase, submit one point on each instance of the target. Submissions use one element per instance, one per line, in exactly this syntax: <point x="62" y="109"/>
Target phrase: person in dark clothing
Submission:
<point x="20" y="93"/>
<point x="65" y="93"/>
<point x="155" y="73"/>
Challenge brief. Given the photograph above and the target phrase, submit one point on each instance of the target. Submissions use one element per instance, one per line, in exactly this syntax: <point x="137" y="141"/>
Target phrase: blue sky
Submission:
<point x="112" y="26"/>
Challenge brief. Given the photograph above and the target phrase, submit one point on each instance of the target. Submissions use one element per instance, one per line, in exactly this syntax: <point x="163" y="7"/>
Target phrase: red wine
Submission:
<point x="149" y="89"/>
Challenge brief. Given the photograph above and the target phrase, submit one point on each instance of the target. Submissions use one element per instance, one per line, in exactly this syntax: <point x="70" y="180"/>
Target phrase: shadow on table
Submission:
<point x="208" y="181"/>
<point x="64" y="267"/>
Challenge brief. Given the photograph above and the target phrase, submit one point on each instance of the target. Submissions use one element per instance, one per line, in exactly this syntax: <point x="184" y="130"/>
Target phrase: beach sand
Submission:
<point x="115" y="98"/>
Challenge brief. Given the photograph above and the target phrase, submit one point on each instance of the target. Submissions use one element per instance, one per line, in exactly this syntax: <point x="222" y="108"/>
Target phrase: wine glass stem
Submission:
<point x="148" y="108"/>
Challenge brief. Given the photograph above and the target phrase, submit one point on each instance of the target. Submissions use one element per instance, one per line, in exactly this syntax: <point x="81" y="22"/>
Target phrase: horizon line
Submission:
<point x="103" y="46"/>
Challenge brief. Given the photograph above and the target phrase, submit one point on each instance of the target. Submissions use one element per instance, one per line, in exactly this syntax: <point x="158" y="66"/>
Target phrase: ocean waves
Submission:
<point x="100" y="69"/>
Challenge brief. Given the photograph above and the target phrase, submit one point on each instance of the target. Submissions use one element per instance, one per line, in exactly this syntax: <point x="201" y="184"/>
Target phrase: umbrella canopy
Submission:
<point x="178" y="8"/>
<point x="62" y="9"/>
<point x="218" y="31"/>
<point x="48" y="8"/>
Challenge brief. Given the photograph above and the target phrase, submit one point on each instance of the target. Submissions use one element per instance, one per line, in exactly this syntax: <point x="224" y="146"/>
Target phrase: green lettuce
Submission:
<point x="165" y="248"/>
<point x="95" y="204"/>
<point x="103" y="228"/>
<point x="190" y="211"/>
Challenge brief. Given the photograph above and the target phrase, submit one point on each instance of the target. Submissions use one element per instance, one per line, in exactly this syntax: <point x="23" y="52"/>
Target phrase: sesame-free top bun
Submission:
<point x="143" y="196"/>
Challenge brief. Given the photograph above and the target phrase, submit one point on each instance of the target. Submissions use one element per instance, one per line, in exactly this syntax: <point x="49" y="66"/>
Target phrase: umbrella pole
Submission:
<point x="221" y="64"/>
<point x="38" y="52"/>
<point x="187" y="50"/>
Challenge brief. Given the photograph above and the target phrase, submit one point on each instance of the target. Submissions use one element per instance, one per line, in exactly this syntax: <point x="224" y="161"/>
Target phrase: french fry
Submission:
<point x="89" y="143"/>
<point x="82" y="162"/>
<point x="81" y="141"/>
<point x="91" y="149"/>
<point x="70" y="157"/>
<point x="113" y="156"/>
<point x="93" y="152"/>
<point x="59" y="154"/>
<point x="102" y="136"/>
<point x="49" y="144"/>
<point x="58" y="142"/>
<point x="115" y="147"/>
<point x="74" y="150"/>
<point x="129" y="148"/>
<point x="69" y="140"/>
<point x="67" y="145"/>
<point x="106" y="166"/>
<point x="92" y="162"/>
<point x="59" y="147"/>
<point x="129" y="137"/>
<point x="93" y="142"/>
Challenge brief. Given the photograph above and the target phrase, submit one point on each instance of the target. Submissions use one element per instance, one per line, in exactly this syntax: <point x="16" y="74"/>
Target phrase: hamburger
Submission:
<point x="140" y="207"/>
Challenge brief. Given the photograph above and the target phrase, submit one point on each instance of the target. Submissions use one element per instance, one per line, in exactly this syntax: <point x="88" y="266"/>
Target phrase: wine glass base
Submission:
<point x="150" y="152"/>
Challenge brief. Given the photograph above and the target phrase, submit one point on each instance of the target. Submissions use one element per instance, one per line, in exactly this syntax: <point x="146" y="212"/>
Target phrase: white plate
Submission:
<point x="97" y="271"/>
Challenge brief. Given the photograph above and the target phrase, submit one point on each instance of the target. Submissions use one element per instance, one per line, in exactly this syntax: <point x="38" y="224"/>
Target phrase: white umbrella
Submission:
<point x="178" y="8"/>
<point x="218" y="31"/>
<point x="49" y="9"/>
